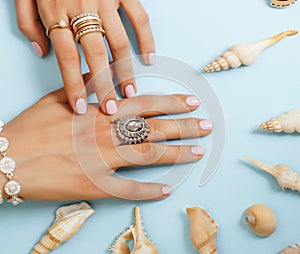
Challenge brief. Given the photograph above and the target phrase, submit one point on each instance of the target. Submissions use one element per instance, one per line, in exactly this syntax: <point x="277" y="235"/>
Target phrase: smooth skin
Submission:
<point x="35" y="15"/>
<point x="44" y="142"/>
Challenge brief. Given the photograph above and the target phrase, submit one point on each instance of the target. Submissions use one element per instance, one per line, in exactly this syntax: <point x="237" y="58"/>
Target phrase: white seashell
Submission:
<point x="286" y="178"/>
<point x="295" y="249"/>
<point x="244" y="54"/>
<point x="282" y="3"/>
<point x="288" y="122"/>
<point x="69" y="220"/>
<point x="142" y="245"/>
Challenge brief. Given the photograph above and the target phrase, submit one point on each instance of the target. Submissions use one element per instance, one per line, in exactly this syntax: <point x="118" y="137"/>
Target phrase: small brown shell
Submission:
<point x="295" y="249"/>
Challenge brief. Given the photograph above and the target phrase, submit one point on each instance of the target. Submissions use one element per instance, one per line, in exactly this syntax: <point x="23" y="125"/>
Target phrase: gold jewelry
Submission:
<point x="60" y="25"/>
<point x="7" y="166"/>
<point x="86" y="23"/>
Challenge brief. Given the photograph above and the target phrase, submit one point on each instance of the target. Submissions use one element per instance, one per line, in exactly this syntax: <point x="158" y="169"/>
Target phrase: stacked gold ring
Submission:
<point x="86" y="23"/>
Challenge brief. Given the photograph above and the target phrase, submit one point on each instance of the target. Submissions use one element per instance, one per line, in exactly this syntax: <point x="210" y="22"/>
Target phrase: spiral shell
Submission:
<point x="294" y="249"/>
<point x="286" y="178"/>
<point x="261" y="220"/>
<point x="244" y="54"/>
<point x="69" y="220"/>
<point x="288" y="122"/>
<point x="282" y="3"/>
<point x="203" y="230"/>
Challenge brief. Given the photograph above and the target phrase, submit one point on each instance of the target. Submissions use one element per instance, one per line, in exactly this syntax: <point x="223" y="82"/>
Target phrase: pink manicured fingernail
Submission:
<point x="81" y="106"/>
<point x="206" y="125"/>
<point x="37" y="48"/>
<point x="167" y="190"/>
<point x="192" y="101"/>
<point x="129" y="91"/>
<point x="151" y="58"/>
<point x="111" y="107"/>
<point x="197" y="150"/>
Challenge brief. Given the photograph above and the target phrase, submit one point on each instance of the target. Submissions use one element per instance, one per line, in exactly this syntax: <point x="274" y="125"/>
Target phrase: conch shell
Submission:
<point x="282" y="3"/>
<point x="141" y="244"/>
<point x="286" y="178"/>
<point x="295" y="249"/>
<point x="261" y="220"/>
<point x="288" y="122"/>
<point x="69" y="220"/>
<point x="245" y="54"/>
<point x="203" y="230"/>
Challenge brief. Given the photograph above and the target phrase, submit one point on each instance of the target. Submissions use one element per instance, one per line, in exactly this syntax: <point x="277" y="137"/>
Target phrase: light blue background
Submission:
<point x="195" y="32"/>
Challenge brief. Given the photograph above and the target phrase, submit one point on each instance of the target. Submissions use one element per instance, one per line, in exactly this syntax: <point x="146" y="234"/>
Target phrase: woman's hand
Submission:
<point x="62" y="156"/>
<point x="36" y="15"/>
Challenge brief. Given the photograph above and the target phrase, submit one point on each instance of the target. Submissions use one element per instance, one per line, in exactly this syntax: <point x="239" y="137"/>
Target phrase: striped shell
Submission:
<point x="295" y="249"/>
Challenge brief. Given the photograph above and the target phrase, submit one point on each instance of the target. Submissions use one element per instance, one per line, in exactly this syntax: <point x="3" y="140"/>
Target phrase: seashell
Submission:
<point x="245" y="54"/>
<point x="69" y="219"/>
<point x="203" y="230"/>
<point x="142" y="245"/>
<point x="282" y="3"/>
<point x="288" y="122"/>
<point x="261" y="220"/>
<point x="286" y="178"/>
<point x="295" y="249"/>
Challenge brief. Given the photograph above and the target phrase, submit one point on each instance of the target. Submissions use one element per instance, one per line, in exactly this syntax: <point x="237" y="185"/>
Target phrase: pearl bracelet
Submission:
<point x="7" y="166"/>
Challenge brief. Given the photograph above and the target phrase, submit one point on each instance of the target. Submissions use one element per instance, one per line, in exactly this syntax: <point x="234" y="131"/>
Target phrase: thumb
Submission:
<point x="30" y="25"/>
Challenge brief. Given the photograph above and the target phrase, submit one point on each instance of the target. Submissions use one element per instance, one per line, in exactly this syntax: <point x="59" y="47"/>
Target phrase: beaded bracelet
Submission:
<point x="7" y="166"/>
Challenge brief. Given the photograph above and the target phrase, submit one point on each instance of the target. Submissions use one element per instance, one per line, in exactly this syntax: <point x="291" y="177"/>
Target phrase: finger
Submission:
<point x="154" y="105"/>
<point x="69" y="63"/>
<point x="141" y="24"/>
<point x="152" y="154"/>
<point x="97" y="59"/>
<point x="30" y="25"/>
<point x="119" y="46"/>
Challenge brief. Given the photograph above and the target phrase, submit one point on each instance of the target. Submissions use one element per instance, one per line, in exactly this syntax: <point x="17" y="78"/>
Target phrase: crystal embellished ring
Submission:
<point x="132" y="129"/>
<point x="60" y="25"/>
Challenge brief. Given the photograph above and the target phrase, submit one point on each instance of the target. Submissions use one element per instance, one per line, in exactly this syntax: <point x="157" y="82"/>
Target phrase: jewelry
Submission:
<point x="86" y="23"/>
<point x="61" y="25"/>
<point x="7" y="166"/>
<point x="1" y="198"/>
<point x="132" y="129"/>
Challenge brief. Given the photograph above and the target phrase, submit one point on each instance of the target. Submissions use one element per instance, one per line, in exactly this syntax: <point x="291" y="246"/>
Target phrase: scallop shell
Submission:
<point x="142" y="245"/>
<point x="295" y="249"/>
<point x="282" y="3"/>
<point x="244" y="54"/>
<point x="286" y="178"/>
<point x="288" y="122"/>
<point x="203" y="230"/>
<point x="69" y="220"/>
<point x="261" y="220"/>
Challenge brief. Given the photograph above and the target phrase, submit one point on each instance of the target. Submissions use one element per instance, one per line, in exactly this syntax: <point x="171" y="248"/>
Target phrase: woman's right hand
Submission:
<point x="62" y="156"/>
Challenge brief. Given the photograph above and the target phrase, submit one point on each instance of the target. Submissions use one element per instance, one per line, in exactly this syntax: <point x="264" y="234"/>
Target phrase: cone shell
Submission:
<point x="261" y="220"/>
<point x="69" y="219"/>
<point x="203" y="230"/>
<point x="282" y="3"/>
<point x="288" y="122"/>
<point x="295" y="249"/>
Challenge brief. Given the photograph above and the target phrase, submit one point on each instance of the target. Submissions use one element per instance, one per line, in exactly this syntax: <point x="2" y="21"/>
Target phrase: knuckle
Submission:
<point x="142" y="19"/>
<point x="149" y="152"/>
<point x="24" y="27"/>
<point x="132" y="190"/>
<point x="145" y="102"/>
<point x="67" y="56"/>
<point x="120" y="44"/>
<point x="96" y="52"/>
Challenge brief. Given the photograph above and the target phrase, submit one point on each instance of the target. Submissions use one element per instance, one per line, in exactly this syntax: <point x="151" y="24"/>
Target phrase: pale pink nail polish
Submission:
<point x="129" y="91"/>
<point x="81" y="106"/>
<point x="151" y="58"/>
<point x="166" y="190"/>
<point x="37" y="48"/>
<point x="111" y="107"/>
<point x="197" y="150"/>
<point x="192" y="101"/>
<point x="206" y="125"/>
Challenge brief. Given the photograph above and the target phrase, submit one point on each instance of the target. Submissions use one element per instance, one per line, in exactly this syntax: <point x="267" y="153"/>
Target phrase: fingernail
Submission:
<point x="192" y="101"/>
<point x="111" y="107"/>
<point x="151" y="58"/>
<point x="206" y="125"/>
<point x="167" y="190"/>
<point x="81" y="106"/>
<point x="197" y="150"/>
<point x="37" y="48"/>
<point x="129" y="91"/>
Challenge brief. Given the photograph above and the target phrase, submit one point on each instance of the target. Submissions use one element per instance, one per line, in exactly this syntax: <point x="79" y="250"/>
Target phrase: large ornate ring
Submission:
<point x="132" y="129"/>
<point x="60" y="25"/>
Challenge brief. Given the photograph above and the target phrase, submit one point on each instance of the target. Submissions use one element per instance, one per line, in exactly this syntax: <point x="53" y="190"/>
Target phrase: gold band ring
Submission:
<point x="60" y="25"/>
